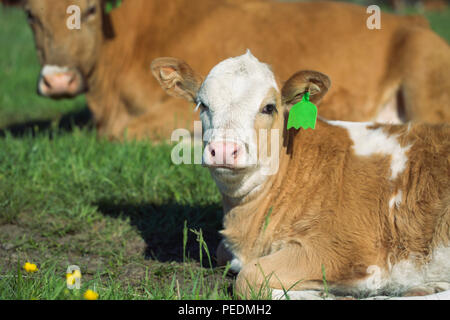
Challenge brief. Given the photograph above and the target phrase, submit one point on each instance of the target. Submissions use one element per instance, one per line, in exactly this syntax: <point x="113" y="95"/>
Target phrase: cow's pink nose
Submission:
<point x="59" y="84"/>
<point x="224" y="153"/>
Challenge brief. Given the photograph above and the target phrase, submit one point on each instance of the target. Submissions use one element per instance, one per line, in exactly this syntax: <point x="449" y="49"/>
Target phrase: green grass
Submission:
<point x="138" y="226"/>
<point x="116" y="210"/>
<point x="440" y="22"/>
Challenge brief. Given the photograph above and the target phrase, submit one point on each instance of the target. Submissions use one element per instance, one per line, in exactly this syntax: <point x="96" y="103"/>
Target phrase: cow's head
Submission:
<point x="243" y="113"/>
<point x="68" y="56"/>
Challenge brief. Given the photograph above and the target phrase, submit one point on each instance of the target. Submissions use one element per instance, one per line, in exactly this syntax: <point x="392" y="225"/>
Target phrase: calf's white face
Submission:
<point x="242" y="115"/>
<point x="235" y="95"/>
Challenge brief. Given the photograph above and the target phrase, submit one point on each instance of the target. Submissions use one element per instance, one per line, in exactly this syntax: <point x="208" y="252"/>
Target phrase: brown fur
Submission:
<point x="113" y="54"/>
<point x="329" y="208"/>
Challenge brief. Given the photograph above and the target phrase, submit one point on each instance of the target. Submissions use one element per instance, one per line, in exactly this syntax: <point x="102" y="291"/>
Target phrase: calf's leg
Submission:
<point x="282" y="270"/>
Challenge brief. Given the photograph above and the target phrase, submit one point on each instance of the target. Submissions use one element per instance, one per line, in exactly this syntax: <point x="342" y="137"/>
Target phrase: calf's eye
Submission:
<point x="269" y="109"/>
<point x="91" y="11"/>
<point x="203" y="107"/>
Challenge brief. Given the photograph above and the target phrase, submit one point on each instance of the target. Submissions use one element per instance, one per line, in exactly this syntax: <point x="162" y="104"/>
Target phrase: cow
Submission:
<point x="387" y="74"/>
<point x="366" y="204"/>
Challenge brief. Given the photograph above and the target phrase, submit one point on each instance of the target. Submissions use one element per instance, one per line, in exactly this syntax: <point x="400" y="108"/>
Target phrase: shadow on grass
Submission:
<point x="161" y="226"/>
<point x="67" y="123"/>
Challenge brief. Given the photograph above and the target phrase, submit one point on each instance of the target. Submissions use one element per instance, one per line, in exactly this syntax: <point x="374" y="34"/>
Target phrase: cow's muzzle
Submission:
<point x="60" y="82"/>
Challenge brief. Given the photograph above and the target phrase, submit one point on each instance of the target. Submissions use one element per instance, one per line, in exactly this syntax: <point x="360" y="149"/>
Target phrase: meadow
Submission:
<point x="138" y="226"/>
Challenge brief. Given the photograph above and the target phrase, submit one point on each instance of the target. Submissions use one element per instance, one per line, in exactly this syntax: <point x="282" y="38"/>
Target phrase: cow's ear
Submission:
<point x="303" y="81"/>
<point x="107" y="24"/>
<point x="177" y="78"/>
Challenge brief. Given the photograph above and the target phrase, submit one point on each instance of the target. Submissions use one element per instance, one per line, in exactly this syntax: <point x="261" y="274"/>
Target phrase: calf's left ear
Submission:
<point x="177" y="78"/>
<point x="303" y="81"/>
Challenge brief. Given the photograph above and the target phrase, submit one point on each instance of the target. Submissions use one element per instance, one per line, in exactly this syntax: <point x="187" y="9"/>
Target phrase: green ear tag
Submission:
<point x="110" y="6"/>
<point x="303" y="114"/>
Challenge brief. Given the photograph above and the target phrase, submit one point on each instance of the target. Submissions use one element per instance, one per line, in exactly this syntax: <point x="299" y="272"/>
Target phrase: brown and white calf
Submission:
<point x="367" y="203"/>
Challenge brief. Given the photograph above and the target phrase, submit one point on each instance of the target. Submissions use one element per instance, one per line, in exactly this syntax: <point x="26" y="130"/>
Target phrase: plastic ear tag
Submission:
<point x="110" y="6"/>
<point x="303" y="114"/>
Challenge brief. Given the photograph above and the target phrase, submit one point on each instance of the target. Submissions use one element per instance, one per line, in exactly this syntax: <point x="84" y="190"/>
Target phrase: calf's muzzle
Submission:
<point x="223" y="154"/>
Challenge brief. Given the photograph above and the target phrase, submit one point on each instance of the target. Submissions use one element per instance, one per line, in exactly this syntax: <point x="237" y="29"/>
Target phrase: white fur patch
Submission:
<point x="389" y="114"/>
<point x="396" y="200"/>
<point x="238" y="184"/>
<point x="235" y="265"/>
<point x="437" y="296"/>
<point x="367" y="142"/>
<point x="296" y="295"/>
<point x="49" y="70"/>
<point x="406" y="274"/>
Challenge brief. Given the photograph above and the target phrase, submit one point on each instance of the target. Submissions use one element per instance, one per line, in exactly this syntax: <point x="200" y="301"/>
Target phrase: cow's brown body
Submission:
<point x="404" y="61"/>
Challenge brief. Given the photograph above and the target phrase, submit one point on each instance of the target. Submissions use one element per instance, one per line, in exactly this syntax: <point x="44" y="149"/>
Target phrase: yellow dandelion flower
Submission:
<point x="30" y="267"/>
<point x="72" y="277"/>
<point x="91" y="295"/>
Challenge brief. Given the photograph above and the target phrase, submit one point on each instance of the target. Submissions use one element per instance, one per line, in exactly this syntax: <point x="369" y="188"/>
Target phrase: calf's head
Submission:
<point x="67" y="55"/>
<point x="243" y="114"/>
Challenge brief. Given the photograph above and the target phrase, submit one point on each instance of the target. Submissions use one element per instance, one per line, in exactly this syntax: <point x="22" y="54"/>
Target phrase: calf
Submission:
<point x="368" y="204"/>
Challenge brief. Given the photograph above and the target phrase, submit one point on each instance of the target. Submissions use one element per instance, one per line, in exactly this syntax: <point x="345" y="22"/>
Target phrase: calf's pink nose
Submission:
<point x="224" y="153"/>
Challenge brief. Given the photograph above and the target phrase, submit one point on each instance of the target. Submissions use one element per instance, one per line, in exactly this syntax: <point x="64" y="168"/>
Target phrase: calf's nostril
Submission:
<point x="213" y="153"/>
<point x="72" y="79"/>
<point x="47" y="83"/>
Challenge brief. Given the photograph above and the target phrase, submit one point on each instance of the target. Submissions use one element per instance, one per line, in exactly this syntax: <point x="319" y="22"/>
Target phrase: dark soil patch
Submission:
<point x="161" y="227"/>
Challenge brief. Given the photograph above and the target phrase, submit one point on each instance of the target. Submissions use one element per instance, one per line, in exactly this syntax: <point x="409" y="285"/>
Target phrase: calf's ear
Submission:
<point x="303" y="81"/>
<point x="177" y="78"/>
